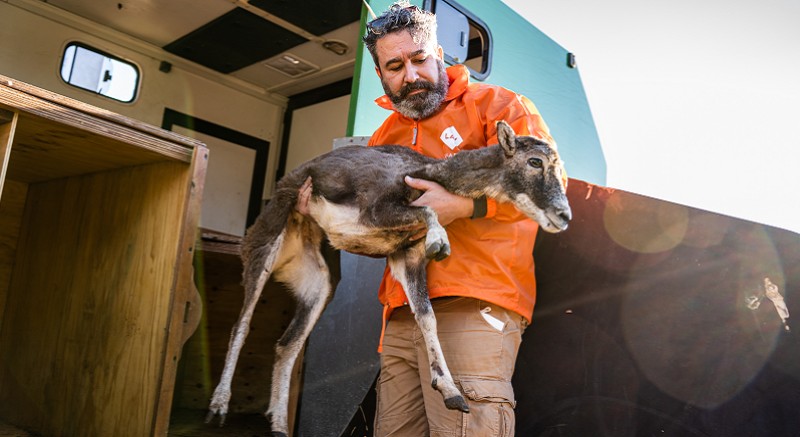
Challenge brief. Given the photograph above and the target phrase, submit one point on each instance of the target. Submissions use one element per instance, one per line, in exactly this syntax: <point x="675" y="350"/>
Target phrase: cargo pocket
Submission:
<point x="492" y="407"/>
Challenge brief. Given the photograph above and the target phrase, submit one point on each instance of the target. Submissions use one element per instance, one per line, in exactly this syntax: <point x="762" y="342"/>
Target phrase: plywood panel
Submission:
<point x="43" y="99"/>
<point x="58" y="110"/>
<point x="83" y="351"/>
<point x="11" y="208"/>
<point x="220" y="277"/>
<point x="44" y="150"/>
<point x="186" y="309"/>
<point x="8" y="123"/>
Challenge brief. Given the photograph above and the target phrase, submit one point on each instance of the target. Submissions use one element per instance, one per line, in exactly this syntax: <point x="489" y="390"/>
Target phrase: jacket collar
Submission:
<point x="457" y="75"/>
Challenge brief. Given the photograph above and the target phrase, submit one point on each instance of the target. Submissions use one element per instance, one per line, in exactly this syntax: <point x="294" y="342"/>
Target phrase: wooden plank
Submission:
<point x="8" y="124"/>
<point x="7" y="430"/>
<point x="186" y="305"/>
<point x="219" y="242"/>
<point x="220" y="283"/>
<point x="44" y="150"/>
<point x="82" y="351"/>
<point x="11" y="209"/>
<point x="112" y="130"/>
<point x="97" y="112"/>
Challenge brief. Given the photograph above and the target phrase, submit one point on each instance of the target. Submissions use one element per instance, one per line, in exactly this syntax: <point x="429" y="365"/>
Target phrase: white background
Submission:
<point x="696" y="102"/>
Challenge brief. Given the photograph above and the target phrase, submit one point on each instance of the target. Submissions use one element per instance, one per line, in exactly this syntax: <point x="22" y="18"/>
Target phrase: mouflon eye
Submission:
<point x="535" y="162"/>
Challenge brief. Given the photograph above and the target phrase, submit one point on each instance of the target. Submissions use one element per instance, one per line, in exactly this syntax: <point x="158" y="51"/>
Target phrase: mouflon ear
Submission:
<point x="507" y="138"/>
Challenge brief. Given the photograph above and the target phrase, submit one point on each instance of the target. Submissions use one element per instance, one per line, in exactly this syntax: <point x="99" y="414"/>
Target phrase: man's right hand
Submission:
<point x="303" y="196"/>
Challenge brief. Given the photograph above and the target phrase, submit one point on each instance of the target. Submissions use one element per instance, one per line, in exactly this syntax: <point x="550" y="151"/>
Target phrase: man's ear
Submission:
<point x="440" y="52"/>
<point x="378" y="72"/>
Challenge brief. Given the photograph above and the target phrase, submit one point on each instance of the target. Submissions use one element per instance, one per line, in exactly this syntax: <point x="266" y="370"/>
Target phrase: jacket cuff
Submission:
<point x="479" y="207"/>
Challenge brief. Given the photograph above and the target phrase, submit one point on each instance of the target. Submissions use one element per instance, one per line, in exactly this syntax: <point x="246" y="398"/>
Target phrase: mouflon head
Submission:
<point x="535" y="182"/>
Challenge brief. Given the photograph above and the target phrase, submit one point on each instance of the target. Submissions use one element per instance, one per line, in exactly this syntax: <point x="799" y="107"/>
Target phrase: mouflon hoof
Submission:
<point x="456" y="403"/>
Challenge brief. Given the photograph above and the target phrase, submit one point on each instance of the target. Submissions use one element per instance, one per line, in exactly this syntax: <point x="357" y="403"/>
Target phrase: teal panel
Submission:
<point x="523" y="59"/>
<point x="365" y="115"/>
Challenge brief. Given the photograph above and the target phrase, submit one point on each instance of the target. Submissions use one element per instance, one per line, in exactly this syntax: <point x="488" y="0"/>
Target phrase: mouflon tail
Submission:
<point x="263" y="239"/>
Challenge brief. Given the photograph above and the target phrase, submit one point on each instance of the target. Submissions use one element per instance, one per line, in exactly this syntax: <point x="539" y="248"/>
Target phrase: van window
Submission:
<point x="99" y="72"/>
<point x="464" y="38"/>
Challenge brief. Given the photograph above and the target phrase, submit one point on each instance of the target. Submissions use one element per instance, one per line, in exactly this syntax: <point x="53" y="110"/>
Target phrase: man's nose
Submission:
<point x="411" y="74"/>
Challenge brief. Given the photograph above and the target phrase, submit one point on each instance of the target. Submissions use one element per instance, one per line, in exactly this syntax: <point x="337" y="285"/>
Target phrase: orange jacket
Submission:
<point x="491" y="258"/>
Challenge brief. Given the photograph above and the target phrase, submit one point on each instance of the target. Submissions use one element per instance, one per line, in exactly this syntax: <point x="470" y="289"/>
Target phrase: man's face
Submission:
<point x="412" y="74"/>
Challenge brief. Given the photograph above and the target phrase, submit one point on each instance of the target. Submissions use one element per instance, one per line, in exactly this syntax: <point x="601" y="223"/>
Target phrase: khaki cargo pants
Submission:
<point x="480" y="343"/>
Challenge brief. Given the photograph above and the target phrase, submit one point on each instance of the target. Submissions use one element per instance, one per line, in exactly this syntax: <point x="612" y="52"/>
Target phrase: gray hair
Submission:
<point x="402" y="15"/>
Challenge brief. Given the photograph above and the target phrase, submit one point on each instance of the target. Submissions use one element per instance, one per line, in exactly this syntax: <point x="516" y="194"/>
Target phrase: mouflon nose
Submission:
<point x="565" y="214"/>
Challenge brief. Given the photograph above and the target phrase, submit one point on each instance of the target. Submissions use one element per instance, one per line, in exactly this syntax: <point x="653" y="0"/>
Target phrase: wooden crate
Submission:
<point x="98" y="216"/>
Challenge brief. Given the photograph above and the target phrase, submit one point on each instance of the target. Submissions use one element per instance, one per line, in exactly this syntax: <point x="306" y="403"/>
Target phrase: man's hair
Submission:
<point x="401" y="16"/>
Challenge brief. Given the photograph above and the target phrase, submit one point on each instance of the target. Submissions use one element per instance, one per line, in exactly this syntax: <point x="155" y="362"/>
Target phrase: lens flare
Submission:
<point x="691" y="324"/>
<point x="645" y="225"/>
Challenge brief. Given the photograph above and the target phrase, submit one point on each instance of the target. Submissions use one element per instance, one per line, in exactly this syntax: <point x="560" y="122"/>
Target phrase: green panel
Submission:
<point x="365" y="115"/>
<point x="524" y="60"/>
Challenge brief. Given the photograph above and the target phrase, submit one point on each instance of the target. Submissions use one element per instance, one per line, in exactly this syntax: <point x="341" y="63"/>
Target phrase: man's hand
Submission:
<point x="448" y="206"/>
<point x="303" y="195"/>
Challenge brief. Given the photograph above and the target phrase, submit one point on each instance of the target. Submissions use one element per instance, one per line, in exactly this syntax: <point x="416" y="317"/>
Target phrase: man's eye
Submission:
<point x="535" y="162"/>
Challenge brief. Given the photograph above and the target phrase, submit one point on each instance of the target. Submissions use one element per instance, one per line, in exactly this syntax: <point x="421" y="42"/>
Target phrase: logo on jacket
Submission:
<point x="451" y="137"/>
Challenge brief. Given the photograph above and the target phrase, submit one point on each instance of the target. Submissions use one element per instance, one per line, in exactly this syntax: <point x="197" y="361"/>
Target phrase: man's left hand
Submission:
<point x="448" y="206"/>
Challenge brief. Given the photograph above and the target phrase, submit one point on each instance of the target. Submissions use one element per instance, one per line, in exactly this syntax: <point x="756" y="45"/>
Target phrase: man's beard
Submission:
<point x="424" y="104"/>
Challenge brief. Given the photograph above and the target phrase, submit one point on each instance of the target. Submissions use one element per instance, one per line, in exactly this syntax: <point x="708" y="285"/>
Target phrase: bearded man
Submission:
<point x="483" y="294"/>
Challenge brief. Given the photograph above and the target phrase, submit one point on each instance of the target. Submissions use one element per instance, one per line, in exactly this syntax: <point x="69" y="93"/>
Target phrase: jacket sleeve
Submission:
<point x="374" y="138"/>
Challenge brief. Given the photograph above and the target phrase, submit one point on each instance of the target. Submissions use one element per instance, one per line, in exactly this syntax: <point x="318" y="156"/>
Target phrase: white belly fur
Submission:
<point x="341" y="224"/>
